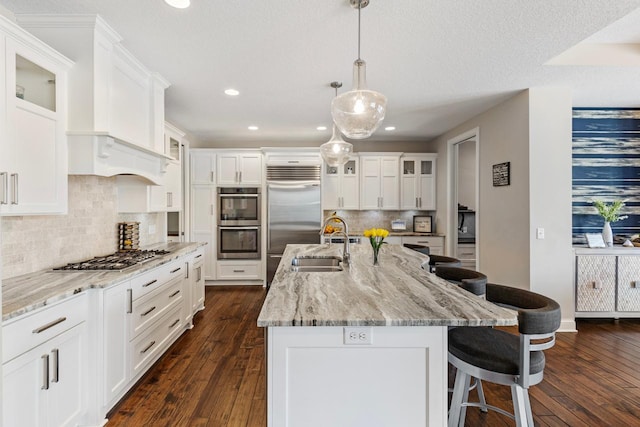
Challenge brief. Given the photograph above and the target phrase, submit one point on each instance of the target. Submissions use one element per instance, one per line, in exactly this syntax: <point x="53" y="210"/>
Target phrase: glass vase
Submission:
<point x="376" y="260"/>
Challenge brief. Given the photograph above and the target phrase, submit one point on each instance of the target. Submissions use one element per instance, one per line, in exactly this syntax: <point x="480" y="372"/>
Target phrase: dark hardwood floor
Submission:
<point x="214" y="374"/>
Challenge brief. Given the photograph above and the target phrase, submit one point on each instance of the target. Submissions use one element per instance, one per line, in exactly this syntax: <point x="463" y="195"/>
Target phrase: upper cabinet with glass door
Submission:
<point x="33" y="144"/>
<point x="418" y="183"/>
<point x="341" y="185"/>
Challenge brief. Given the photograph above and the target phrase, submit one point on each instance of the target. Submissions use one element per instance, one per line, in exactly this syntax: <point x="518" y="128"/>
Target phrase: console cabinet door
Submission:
<point x="596" y="283"/>
<point x="628" y="283"/>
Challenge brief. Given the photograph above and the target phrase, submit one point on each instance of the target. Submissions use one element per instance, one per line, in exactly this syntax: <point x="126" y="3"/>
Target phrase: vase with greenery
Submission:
<point x="376" y="238"/>
<point x="610" y="213"/>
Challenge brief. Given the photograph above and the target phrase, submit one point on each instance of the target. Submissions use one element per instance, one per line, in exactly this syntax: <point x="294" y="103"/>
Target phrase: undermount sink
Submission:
<point x="316" y="264"/>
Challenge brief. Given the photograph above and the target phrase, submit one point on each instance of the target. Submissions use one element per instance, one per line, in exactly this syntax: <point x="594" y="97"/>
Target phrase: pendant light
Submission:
<point x="336" y="151"/>
<point x="359" y="112"/>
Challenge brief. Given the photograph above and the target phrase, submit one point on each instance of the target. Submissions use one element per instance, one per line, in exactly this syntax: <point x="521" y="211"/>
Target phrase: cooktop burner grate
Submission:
<point x="114" y="262"/>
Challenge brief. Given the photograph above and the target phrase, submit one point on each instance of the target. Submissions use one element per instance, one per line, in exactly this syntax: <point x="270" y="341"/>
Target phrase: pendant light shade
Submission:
<point x="359" y="112"/>
<point x="336" y="151"/>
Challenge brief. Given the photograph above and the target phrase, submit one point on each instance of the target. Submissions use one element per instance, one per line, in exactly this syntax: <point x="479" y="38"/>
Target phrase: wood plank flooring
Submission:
<point x="214" y="375"/>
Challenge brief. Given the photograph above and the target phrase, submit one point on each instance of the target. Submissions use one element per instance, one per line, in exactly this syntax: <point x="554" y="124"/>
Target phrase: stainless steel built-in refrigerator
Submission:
<point x="294" y="213"/>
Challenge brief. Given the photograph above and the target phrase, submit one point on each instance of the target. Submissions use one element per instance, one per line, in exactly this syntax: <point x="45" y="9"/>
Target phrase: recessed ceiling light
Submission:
<point x="178" y="4"/>
<point x="321" y="128"/>
<point x="232" y="92"/>
<point x="253" y="127"/>
<point x="390" y="128"/>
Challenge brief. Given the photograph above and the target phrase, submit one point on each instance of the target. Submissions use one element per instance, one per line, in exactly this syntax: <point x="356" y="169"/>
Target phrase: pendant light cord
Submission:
<point x="359" y="9"/>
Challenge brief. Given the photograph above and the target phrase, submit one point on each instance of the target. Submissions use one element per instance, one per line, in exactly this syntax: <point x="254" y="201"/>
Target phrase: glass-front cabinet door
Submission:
<point x="418" y="182"/>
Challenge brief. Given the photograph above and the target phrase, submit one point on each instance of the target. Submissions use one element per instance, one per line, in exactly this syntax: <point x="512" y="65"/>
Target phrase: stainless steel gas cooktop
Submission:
<point x="114" y="262"/>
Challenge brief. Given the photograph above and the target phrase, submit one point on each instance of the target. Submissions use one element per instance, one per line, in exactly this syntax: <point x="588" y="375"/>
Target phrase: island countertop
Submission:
<point x="398" y="292"/>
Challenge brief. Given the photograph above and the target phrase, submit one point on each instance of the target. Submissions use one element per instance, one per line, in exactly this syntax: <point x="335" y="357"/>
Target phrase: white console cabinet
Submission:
<point x="33" y="117"/>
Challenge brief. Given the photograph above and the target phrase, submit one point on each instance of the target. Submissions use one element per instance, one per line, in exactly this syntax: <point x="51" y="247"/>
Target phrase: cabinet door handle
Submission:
<point x="56" y="365"/>
<point x="198" y="256"/>
<point x="49" y="325"/>
<point x="174" y="294"/>
<point x="420" y="198"/>
<point x="14" y="180"/>
<point x="177" y="269"/>
<point x="417" y="204"/>
<point x="238" y="271"/>
<point x="45" y="372"/>
<point x="129" y="300"/>
<point x="186" y="270"/>
<point x="148" y="311"/>
<point x="169" y="203"/>
<point x="5" y="187"/>
<point x="595" y="285"/>
<point x="174" y="323"/>
<point x="211" y="177"/>
<point x="147" y="348"/>
<point x="211" y="210"/>
<point x="199" y="270"/>
<point x="149" y="284"/>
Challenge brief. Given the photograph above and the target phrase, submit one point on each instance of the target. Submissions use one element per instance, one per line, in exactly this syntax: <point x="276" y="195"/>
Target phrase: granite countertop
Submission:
<point x="398" y="292"/>
<point x="360" y="233"/>
<point x="22" y="294"/>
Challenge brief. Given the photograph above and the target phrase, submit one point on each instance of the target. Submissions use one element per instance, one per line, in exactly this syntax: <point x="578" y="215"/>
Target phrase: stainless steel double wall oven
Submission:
<point x="239" y="222"/>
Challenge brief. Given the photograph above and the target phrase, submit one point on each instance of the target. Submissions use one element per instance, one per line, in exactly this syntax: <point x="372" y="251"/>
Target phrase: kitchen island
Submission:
<point x="366" y="346"/>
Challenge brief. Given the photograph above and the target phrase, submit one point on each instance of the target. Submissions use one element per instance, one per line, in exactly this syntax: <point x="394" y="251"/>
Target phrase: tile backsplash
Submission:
<point x="359" y="221"/>
<point x="31" y="243"/>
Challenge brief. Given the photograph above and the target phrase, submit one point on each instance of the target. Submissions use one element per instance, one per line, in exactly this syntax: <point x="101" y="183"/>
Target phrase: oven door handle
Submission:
<point x="244" y="196"/>
<point x="240" y="228"/>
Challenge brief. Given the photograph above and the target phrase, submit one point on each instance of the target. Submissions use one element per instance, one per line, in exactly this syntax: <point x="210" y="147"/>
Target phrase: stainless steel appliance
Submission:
<point x="239" y="242"/>
<point x="466" y="226"/>
<point x="114" y="262"/>
<point x="239" y="206"/>
<point x="294" y="213"/>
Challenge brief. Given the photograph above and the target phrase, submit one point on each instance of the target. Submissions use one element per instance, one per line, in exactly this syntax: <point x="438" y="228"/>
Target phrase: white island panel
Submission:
<point x="317" y="380"/>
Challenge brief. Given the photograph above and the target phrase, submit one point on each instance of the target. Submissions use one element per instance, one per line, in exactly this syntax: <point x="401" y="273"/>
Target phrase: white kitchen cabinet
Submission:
<point x="379" y="181"/>
<point x="196" y="281"/>
<point x="466" y="253"/>
<point x="203" y="224"/>
<point x="243" y="168"/>
<point x="341" y="185"/>
<point x="239" y="270"/>
<point x="418" y="182"/>
<point x="33" y="116"/>
<point x="435" y="243"/>
<point x="136" y="196"/>
<point x="203" y="167"/>
<point x="115" y="330"/>
<point x="45" y="376"/>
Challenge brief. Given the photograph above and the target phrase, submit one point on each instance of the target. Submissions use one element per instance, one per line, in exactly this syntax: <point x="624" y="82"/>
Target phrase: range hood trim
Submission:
<point x="98" y="153"/>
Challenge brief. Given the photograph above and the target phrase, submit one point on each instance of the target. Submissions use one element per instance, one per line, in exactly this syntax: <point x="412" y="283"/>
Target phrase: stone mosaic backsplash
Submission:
<point x="362" y="220"/>
<point x="32" y="243"/>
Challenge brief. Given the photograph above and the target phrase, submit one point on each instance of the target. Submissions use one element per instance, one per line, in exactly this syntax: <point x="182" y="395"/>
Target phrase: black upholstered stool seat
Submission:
<point x="491" y="349"/>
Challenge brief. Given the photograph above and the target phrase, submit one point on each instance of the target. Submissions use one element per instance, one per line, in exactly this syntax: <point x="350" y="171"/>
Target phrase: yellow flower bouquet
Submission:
<point x="376" y="238"/>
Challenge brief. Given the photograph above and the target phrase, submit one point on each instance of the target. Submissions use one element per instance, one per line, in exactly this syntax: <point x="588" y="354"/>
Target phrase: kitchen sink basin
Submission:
<point x="316" y="264"/>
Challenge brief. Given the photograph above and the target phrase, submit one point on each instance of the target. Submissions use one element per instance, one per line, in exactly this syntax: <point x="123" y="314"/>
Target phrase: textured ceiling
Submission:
<point x="439" y="62"/>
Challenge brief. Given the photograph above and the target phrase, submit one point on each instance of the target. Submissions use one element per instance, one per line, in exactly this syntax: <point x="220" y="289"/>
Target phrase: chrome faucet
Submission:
<point x="346" y="254"/>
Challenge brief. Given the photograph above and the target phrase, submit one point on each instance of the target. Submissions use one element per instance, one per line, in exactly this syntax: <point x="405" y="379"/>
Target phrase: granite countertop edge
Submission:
<point x="32" y="291"/>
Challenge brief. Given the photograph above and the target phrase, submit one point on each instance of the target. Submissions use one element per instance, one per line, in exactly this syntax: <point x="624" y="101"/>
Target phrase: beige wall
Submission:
<point x="31" y="243"/>
<point x="467" y="174"/>
<point x="532" y="130"/>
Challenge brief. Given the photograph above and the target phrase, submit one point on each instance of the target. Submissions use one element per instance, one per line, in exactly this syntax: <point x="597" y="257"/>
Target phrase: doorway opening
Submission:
<point x="463" y="198"/>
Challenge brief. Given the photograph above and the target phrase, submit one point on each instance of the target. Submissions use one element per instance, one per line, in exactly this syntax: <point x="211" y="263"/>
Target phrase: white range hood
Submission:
<point x="116" y="105"/>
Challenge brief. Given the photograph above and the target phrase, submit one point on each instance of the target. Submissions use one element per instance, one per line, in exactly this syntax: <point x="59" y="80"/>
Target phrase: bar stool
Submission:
<point x="503" y="358"/>
<point x="469" y="280"/>
<point x="418" y="248"/>
<point x="442" y="261"/>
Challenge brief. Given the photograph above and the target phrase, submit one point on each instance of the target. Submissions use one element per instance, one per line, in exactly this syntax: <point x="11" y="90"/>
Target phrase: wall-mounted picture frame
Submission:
<point x="595" y="240"/>
<point x="502" y="174"/>
<point x="422" y="224"/>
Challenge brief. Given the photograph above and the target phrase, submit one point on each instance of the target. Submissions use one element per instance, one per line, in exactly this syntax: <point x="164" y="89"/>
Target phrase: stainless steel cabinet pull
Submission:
<point x="177" y="269"/>
<point x="49" y="325"/>
<point x="150" y="283"/>
<point x="169" y="204"/>
<point x="595" y="285"/>
<point x="151" y="344"/>
<point x="417" y="204"/>
<point x="420" y="199"/>
<point x="212" y="210"/>
<point x="199" y="270"/>
<point x="148" y="311"/>
<point x="5" y="188"/>
<point x="174" y="294"/>
<point x="56" y="365"/>
<point x="130" y="301"/>
<point x="211" y="178"/>
<point x="198" y="256"/>
<point x="186" y="270"/>
<point x="45" y="372"/>
<point x="240" y="174"/>
<point x="174" y="323"/>
<point x="14" y="178"/>
<point x="238" y="271"/>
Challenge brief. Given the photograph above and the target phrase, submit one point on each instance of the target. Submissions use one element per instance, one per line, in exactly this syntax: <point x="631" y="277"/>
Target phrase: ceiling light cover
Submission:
<point x="232" y="92"/>
<point x="359" y="112"/>
<point x="336" y="151"/>
<point x="178" y="4"/>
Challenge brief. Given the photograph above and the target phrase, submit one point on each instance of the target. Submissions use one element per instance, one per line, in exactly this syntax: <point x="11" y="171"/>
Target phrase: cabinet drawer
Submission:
<point x="24" y="333"/>
<point x="431" y="241"/>
<point x="146" y="348"/>
<point x="238" y="271"/>
<point x="146" y="310"/>
<point x="466" y="252"/>
<point x="153" y="279"/>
